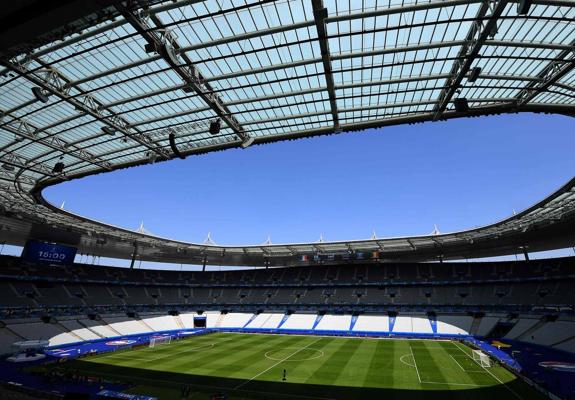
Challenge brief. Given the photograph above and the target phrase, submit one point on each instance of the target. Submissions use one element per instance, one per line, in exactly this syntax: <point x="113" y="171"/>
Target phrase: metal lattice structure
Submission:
<point x="108" y="91"/>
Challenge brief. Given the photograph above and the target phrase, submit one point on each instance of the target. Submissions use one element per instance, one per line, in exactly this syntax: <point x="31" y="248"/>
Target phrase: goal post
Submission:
<point x="481" y="358"/>
<point x="158" y="340"/>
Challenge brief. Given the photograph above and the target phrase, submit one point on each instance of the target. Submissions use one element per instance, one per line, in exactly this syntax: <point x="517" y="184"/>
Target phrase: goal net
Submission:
<point x="155" y="341"/>
<point x="481" y="358"/>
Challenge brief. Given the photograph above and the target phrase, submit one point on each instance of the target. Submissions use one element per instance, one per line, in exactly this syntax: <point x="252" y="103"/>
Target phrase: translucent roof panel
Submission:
<point x="217" y="75"/>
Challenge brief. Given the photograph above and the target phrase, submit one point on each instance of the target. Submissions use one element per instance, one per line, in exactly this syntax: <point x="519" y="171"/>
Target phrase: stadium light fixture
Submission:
<point x="474" y="74"/>
<point x="523" y="6"/>
<point x="39" y="94"/>
<point x="247" y="143"/>
<point x="215" y="127"/>
<point x="108" y="130"/>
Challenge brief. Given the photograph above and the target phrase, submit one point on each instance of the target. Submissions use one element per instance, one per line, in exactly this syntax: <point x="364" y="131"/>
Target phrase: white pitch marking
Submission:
<point x="415" y="362"/>
<point x="276" y="364"/>
<point x="319" y="354"/>
<point x="490" y="373"/>
<point x="457" y="362"/>
<point x="404" y="362"/>
<point x="454" y="384"/>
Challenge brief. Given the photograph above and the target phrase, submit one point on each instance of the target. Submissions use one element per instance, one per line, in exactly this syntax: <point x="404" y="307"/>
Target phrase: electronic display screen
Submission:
<point x="48" y="253"/>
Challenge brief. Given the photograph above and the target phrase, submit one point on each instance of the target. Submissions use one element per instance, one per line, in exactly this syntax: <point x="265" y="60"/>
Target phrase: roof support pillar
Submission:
<point x="134" y="255"/>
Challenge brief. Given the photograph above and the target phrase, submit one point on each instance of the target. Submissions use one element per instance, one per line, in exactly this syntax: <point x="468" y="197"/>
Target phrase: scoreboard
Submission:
<point x="36" y="251"/>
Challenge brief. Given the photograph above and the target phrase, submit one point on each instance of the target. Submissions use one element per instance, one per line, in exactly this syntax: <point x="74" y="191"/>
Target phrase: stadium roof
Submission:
<point x="106" y="85"/>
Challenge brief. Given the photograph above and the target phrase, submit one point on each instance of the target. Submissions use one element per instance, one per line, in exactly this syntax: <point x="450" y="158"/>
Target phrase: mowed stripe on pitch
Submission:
<point x="341" y="362"/>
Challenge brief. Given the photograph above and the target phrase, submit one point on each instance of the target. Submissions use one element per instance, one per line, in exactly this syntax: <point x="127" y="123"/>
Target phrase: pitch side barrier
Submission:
<point x="116" y="343"/>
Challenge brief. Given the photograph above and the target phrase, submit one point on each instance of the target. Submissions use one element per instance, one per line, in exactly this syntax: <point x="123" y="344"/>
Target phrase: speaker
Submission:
<point x="473" y="74"/>
<point x="58" y="167"/>
<point x="523" y="7"/>
<point x="461" y="104"/>
<point x="215" y="127"/>
<point x="150" y="48"/>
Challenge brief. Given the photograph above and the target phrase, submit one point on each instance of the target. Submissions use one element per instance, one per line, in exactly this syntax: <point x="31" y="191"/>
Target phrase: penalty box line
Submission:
<point x="489" y="372"/>
<point x="438" y="383"/>
<point x="415" y="363"/>
<point x="276" y="364"/>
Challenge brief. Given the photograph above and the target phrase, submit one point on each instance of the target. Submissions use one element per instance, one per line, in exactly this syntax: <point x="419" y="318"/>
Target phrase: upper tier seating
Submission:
<point x="317" y="274"/>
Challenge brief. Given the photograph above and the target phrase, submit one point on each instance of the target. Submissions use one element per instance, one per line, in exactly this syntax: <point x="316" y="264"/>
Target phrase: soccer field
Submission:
<point x="250" y="366"/>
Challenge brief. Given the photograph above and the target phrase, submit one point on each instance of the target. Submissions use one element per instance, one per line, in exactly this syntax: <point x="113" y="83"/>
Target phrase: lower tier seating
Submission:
<point x="559" y="333"/>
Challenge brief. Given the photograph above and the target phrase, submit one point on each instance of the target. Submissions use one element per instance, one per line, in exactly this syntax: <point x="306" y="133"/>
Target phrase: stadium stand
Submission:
<point x="90" y="87"/>
<point x="435" y="300"/>
<point x="524" y="302"/>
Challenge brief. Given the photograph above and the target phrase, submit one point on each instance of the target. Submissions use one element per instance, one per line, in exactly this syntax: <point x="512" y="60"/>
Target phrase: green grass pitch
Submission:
<point x="250" y="366"/>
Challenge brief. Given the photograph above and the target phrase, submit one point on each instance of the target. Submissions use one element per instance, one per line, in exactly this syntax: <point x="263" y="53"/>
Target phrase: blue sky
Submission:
<point x="397" y="181"/>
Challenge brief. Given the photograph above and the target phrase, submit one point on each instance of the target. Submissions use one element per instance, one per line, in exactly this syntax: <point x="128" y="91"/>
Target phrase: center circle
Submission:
<point x="293" y="354"/>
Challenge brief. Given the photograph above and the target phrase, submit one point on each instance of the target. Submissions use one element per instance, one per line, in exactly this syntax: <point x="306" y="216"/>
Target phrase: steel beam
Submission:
<point x="56" y="83"/>
<point x="169" y="50"/>
<point x="26" y="130"/>
<point x="476" y="38"/>
<point x="320" y="15"/>
<point x="555" y="70"/>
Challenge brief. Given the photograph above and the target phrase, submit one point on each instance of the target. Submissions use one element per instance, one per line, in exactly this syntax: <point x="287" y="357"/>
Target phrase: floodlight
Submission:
<point x="8" y="167"/>
<point x="247" y="142"/>
<point x="108" y="130"/>
<point x="39" y="94"/>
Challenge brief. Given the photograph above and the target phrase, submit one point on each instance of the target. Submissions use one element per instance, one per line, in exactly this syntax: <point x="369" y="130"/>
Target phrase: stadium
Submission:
<point x="96" y="88"/>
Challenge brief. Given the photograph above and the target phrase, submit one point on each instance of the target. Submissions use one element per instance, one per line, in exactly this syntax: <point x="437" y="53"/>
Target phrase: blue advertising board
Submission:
<point x="110" y="394"/>
<point x="41" y="252"/>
